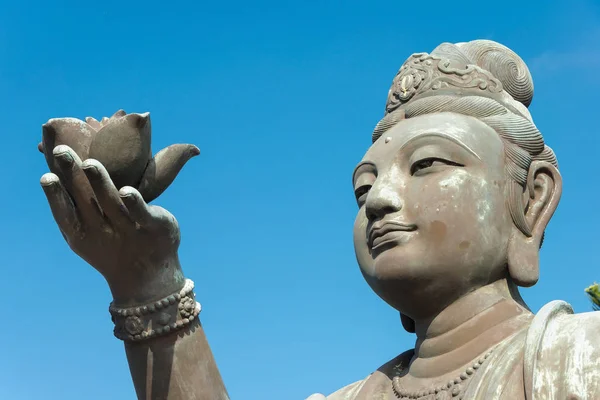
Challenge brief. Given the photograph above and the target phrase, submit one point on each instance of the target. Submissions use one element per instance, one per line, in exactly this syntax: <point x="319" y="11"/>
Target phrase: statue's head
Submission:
<point x="458" y="187"/>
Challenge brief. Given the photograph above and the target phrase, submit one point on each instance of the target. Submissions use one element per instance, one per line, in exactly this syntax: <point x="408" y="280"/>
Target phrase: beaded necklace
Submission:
<point x="451" y="390"/>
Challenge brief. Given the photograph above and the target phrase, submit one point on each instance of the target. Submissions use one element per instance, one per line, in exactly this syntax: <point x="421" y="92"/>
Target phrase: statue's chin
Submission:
<point x="407" y="282"/>
<point x="397" y="263"/>
<point x="392" y="277"/>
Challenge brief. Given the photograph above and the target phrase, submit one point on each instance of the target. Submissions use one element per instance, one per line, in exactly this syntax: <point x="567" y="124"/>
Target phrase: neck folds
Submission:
<point x="464" y="331"/>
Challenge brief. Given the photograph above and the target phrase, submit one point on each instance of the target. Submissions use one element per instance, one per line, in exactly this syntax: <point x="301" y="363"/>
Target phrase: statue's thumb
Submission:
<point x="163" y="168"/>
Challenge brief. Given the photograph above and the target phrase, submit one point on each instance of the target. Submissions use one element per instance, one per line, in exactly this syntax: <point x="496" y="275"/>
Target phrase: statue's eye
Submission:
<point x="364" y="178"/>
<point x="428" y="164"/>
<point x="361" y="194"/>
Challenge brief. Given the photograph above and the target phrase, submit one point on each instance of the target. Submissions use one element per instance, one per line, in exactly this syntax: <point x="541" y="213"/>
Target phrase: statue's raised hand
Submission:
<point x="132" y="244"/>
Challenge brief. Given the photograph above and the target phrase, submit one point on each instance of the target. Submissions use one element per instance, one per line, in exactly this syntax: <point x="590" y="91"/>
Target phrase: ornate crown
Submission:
<point x="426" y="75"/>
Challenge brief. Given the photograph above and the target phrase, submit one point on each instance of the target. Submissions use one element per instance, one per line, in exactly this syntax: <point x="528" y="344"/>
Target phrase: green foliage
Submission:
<point x="594" y="293"/>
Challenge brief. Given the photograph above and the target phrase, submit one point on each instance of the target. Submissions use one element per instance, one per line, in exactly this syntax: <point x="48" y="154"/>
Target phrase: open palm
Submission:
<point x="132" y="244"/>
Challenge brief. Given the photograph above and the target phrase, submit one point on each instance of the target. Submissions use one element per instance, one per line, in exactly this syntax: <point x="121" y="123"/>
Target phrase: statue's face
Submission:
<point x="433" y="222"/>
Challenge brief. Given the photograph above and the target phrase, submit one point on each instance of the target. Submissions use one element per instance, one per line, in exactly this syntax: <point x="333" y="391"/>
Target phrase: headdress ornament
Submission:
<point x="479" y="68"/>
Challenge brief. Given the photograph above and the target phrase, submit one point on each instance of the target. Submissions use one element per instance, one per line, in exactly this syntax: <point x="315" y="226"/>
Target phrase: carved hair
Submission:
<point x="481" y="79"/>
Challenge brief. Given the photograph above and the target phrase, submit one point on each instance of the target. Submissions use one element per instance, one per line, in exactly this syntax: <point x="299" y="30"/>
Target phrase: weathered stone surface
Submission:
<point x="454" y="197"/>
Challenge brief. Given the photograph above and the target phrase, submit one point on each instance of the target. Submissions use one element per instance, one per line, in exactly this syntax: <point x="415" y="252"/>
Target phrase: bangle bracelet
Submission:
<point x="158" y="318"/>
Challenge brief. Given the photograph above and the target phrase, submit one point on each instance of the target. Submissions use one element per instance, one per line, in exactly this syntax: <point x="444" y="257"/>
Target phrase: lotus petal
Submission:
<point x="123" y="147"/>
<point x="163" y="169"/>
<point x="68" y="131"/>
<point x="93" y="122"/>
<point x="118" y="114"/>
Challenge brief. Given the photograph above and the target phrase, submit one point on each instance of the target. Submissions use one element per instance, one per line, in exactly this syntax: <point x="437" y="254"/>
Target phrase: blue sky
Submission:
<point x="281" y="97"/>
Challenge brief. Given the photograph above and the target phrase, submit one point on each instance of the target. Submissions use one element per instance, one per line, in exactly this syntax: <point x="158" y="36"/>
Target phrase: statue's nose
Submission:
<point x="383" y="199"/>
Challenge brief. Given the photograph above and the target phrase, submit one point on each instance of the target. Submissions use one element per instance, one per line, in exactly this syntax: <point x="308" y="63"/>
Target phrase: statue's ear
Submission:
<point x="544" y="187"/>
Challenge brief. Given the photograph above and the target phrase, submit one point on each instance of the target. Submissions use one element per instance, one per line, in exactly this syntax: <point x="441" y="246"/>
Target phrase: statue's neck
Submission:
<point x="466" y="329"/>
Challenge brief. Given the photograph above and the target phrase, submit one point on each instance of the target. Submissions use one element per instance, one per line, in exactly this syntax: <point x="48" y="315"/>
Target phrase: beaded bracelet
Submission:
<point x="161" y="317"/>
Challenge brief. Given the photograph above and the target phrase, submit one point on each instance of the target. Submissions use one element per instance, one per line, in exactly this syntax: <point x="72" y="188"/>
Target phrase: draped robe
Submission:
<point x="556" y="357"/>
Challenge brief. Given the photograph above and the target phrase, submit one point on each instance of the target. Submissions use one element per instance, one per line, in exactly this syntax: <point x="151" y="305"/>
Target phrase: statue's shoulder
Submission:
<point x="346" y="393"/>
<point x="562" y="353"/>
<point x="372" y="383"/>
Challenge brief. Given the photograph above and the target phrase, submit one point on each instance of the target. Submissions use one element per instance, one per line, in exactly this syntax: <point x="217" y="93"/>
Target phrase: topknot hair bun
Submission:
<point x="504" y="64"/>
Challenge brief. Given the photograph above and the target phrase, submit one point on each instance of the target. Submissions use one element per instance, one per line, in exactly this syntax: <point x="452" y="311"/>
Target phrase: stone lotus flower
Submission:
<point x="122" y="144"/>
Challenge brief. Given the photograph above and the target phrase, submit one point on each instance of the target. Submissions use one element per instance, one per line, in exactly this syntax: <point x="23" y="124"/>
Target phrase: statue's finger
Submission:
<point x="77" y="184"/>
<point x="139" y="211"/>
<point x="150" y="217"/>
<point x="61" y="206"/>
<point x="107" y="194"/>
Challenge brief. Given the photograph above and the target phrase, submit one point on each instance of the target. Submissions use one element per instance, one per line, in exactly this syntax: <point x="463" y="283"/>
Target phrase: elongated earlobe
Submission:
<point x="544" y="186"/>
<point x="523" y="261"/>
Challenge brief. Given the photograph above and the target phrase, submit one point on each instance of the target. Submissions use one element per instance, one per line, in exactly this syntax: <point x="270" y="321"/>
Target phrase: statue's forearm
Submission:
<point x="133" y="245"/>
<point x="169" y="356"/>
<point x="178" y="366"/>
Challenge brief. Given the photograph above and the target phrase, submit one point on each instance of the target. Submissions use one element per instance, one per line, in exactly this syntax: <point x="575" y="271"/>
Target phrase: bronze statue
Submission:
<point x="454" y="196"/>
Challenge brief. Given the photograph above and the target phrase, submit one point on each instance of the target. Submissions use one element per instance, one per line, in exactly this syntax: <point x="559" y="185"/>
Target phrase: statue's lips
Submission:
<point x="386" y="233"/>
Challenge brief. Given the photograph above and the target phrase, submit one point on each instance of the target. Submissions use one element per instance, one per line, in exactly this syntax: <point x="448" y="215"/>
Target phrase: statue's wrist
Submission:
<point x="138" y="286"/>
<point x="169" y="314"/>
